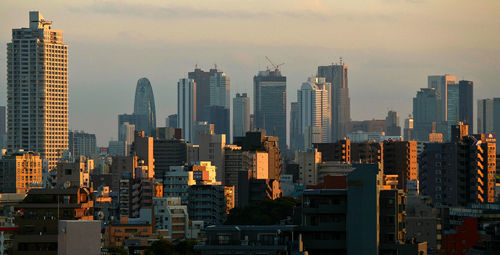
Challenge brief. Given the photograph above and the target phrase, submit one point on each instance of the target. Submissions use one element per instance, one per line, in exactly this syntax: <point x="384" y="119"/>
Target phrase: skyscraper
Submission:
<point x="488" y="120"/>
<point x="3" y="121"/>
<point x="314" y="111"/>
<point x="241" y="114"/>
<point x="270" y="104"/>
<point x="426" y="111"/>
<point x="392" y="127"/>
<point x="144" y="107"/>
<point x="186" y="107"/>
<point x="440" y="84"/>
<point x="465" y="102"/>
<point x="202" y="80"/>
<point x="220" y="89"/>
<point x="172" y="120"/>
<point x="296" y="139"/>
<point x="37" y="90"/>
<point x="337" y="75"/>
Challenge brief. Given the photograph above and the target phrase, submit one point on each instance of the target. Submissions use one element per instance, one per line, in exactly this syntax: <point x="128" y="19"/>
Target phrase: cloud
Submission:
<point x="190" y="12"/>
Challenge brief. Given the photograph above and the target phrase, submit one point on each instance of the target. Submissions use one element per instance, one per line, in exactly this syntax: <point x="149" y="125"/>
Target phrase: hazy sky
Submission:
<point x="390" y="47"/>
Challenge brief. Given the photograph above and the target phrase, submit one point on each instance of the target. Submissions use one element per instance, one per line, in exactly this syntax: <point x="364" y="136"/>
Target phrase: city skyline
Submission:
<point x="387" y="72"/>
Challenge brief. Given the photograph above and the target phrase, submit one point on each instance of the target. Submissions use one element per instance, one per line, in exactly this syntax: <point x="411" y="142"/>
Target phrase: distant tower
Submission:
<point x="202" y="80"/>
<point x="426" y="113"/>
<point x="186" y="107"/>
<point x="392" y="127"/>
<point x="270" y="104"/>
<point x="337" y="75"/>
<point x="314" y="111"/>
<point x="37" y="90"/>
<point x="144" y="107"/>
<point x="241" y="114"/>
<point x="466" y="103"/>
<point x="440" y="83"/>
<point x="218" y="110"/>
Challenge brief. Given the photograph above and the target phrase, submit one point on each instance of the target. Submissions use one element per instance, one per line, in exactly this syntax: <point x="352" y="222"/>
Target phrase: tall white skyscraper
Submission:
<point x="241" y="114"/>
<point x="186" y="107"/>
<point x="37" y="90"/>
<point x="314" y="111"/>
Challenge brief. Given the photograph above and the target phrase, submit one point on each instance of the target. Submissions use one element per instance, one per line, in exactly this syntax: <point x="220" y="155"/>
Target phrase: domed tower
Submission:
<point x="144" y="107"/>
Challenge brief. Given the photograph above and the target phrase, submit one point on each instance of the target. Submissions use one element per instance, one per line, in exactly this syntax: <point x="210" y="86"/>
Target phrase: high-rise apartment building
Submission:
<point x="3" y="122"/>
<point x="270" y="104"/>
<point x="465" y="103"/>
<point x="392" y="127"/>
<point x="461" y="172"/>
<point x="426" y="111"/>
<point x="400" y="157"/>
<point x="313" y="100"/>
<point x="144" y="107"/>
<point x="186" y="107"/>
<point x="126" y="132"/>
<point x="82" y="144"/>
<point x="37" y="90"/>
<point x="241" y="114"/>
<point x="337" y="75"/>
<point x="202" y="93"/>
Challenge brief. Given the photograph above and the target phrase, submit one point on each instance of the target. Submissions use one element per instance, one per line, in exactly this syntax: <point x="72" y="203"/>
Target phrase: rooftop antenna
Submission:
<point x="276" y="67"/>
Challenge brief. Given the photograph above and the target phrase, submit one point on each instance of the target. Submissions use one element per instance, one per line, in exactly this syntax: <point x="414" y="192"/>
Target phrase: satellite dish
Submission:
<point x="67" y="184"/>
<point x="100" y="215"/>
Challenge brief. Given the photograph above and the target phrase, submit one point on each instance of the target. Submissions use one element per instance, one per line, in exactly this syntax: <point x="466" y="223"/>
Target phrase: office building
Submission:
<point x="219" y="117"/>
<point x="368" y="153"/>
<point x="220" y="90"/>
<point x="392" y="127"/>
<point x="125" y="118"/>
<point x="296" y="140"/>
<point x="400" y="157"/>
<point x="313" y="100"/>
<point x="144" y="107"/>
<point x="408" y="130"/>
<point x="169" y="153"/>
<point x="20" y="171"/>
<point x="186" y="107"/>
<point x="241" y="114"/>
<point x="202" y="128"/>
<point x="337" y="75"/>
<point x="171" y="121"/>
<point x="37" y="90"/>
<point x="466" y="102"/>
<point x="368" y="125"/>
<point x="126" y="132"/>
<point x="308" y="167"/>
<point x="82" y="144"/>
<point x="440" y="83"/>
<point x="426" y="111"/>
<point x="270" y="104"/>
<point x="202" y="93"/>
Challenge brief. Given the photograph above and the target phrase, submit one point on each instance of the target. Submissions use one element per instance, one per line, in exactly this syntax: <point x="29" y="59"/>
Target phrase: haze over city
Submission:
<point x="390" y="47"/>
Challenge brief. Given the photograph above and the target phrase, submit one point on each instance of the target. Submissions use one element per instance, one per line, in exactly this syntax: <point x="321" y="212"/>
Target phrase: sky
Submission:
<point x="390" y="46"/>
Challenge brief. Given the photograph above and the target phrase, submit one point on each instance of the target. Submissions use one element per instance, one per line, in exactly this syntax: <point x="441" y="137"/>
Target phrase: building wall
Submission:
<point x="70" y="239"/>
<point x="20" y="171"/>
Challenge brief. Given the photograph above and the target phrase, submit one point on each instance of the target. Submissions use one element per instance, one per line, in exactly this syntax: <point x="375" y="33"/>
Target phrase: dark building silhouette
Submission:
<point x="202" y="80"/>
<point x="400" y="157"/>
<point x="270" y="104"/>
<point x="339" y="151"/>
<point x="219" y="116"/>
<point x="466" y="103"/>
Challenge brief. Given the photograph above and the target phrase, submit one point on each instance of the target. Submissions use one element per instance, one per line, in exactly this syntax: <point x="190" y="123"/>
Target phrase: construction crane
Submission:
<point x="276" y="67"/>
